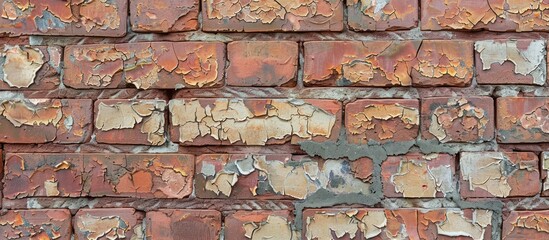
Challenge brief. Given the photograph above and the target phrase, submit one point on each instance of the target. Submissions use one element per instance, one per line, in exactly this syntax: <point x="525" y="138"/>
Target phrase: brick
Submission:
<point x="30" y="67"/>
<point x="72" y="18"/>
<point x="167" y="224"/>
<point x="36" y="224"/>
<point x="545" y="173"/>
<point x="382" y="120"/>
<point x="418" y="176"/>
<point x="222" y="121"/>
<point x="164" y="15"/>
<point x="156" y="65"/>
<point x="382" y="15"/>
<point x="270" y="16"/>
<point x="522" y="119"/>
<point x="359" y="223"/>
<point x="108" y="223"/>
<point x="493" y="15"/>
<point x="458" y="119"/>
<point x="262" y="63"/>
<point x="260" y="225"/>
<point x="45" y="120"/>
<point x="498" y="174"/>
<point x="455" y="224"/>
<point x="511" y="61"/>
<point x="526" y="225"/>
<point x="278" y="176"/>
<point x="120" y="121"/>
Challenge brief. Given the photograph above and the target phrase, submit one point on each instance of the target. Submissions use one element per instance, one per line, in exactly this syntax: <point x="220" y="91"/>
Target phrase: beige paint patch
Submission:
<point x="364" y="120"/>
<point x="112" y="227"/>
<point x="457" y="109"/>
<point x="416" y="179"/>
<point x="20" y="113"/>
<point x="486" y="171"/>
<point x="222" y="183"/>
<point x="21" y="65"/>
<point x="99" y="14"/>
<point x="457" y="225"/>
<point x="275" y="227"/>
<point x="322" y="225"/>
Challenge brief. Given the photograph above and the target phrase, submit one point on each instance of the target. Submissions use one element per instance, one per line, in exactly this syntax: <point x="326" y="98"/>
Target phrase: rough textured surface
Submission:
<point x="452" y="223"/>
<point x="36" y="224"/>
<point x="260" y="225"/>
<point x="522" y="119"/>
<point x="169" y="224"/>
<point x="164" y="16"/>
<point x="372" y="15"/>
<point x="98" y="224"/>
<point x="30" y="67"/>
<point x="526" y="225"/>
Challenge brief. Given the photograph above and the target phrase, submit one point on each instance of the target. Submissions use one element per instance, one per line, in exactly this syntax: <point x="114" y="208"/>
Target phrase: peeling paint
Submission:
<point x="522" y="224"/>
<point x="381" y="15"/>
<point x="275" y="227"/>
<point x="95" y="224"/>
<point x="36" y="224"/>
<point x="21" y="65"/>
<point x="164" y="16"/>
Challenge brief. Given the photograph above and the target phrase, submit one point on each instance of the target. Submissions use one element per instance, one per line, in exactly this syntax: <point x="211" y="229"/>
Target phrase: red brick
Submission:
<point x="164" y="15"/>
<point x="222" y="121"/>
<point x="526" y="225"/>
<point x="108" y="223"/>
<point x="262" y="63"/>
<point x="45" y="120"/>
<point x="382" y="15"/>
<point x="167" y="224"/>
<point x="30" y="67"/>
<point x="498" y="174"/>
<point x="446" y="224"/>
<point x="120" y="121"/>
<point x="359" y="223"/>
<point x="458" y="119"/>
<point x="522" y="119"/>
<point x="259" y="225"/>
<point x="493" y="15"/>
<point x="278" y="176"/>
<point x="511" y="61"/>
<point x="72" y="18"/>
<point x="36" y="224"/>
<point x="162" y="65"/>
<point x="382" y="120"/>
<point x="418" y="176"/>
<point x="267" y="16"/>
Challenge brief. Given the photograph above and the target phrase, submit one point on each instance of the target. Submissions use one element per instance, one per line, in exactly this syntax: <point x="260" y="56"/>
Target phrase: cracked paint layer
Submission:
<point x="473" y="224"/>
<point x="105" y="223"/>
<point x="382" y="15"/>
<point x="164" y="15"/>
<point x="260" y="224"/>
<point x="382" y="120"/>
<point x="493" y="15"/>
<point x="418" y="176"/>
<point x="147" y="65"/>
<point x="225" y="121"/>
<point x="36" y="224"/>
<point x="45" y="120"/>
<point x="458" y="119"/>
<point x="262" y="63"/>
<point x="359" y="223"/>
<point x="526" y="225"/>
<point x="167" y="224"/>
<point x="278" y="176"/>
<point x="499" y="174"/>
<point x="511" y="61"/>
<point x="130" y="121"/>
<point x="73" y="17"/>
<point x="545" y="173"/>
<point x="271" y="15"/>
<point x="523" y="119"/>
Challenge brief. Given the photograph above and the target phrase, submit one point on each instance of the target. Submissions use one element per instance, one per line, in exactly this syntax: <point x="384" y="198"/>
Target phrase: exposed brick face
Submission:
<point x="169" y="224"/>
<point x="119" y="223"/>
<point x="382" y="15"/>
<point x="164" y="16"/>
<point x="522" y="119"/>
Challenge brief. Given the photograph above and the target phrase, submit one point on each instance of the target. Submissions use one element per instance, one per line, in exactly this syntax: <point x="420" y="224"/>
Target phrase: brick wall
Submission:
<point x="315" y="119"/>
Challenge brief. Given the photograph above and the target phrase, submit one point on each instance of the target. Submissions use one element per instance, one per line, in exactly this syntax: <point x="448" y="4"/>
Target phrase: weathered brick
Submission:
<point x="30" y="67"/>
<point x="455" y="224"/>
<point x="545" y="173"/>
<point x="225" y="121"/>
<point x="382" y="15"/>
<point x="270" y="16"/>
<point x="526" y="225"/>
<point x="522" y="119"/>
<point x="418" y="176"/>
<point x="120" y="121"/>
<point x="262" y="63"/>
<point x="458" y="119"/>
<point x="493" y="15"/>
<point x="163" y="65"/>
<point x="167" y="224"/>
<point x="499" y="174"/>
<point x="276" y="176"/>
<point x="260" y="225"/>
<point x="45" y="120"/>
<point x="382" y="120"/>
<point x="511" y="61"/>
<point x="164" y="15"/>
<point x="108" y="223"/>
<point x="36" y="224"/>
<point x="359" y="223"/>
<point x="72" y="18"/>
